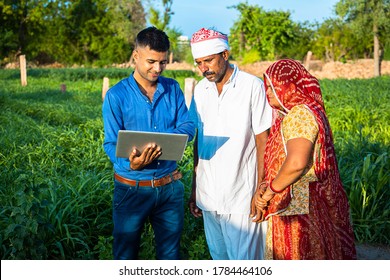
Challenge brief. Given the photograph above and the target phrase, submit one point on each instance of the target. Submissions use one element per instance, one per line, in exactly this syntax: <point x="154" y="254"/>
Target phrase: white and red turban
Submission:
<point x="207" y="42"/>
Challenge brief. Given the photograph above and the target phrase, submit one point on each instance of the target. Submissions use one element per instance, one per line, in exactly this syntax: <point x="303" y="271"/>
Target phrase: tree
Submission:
<point x="368" y="17"/>
<point x="162" y="21"/>
<point x="21" y="23"/>
<point x="268" y="33"/>
<point x="79" y="31"/>
<point x="300" y="43"/>
<point x="119" y="25"/>
<point x="96" y="32"/>
<point x="336" y="41"/>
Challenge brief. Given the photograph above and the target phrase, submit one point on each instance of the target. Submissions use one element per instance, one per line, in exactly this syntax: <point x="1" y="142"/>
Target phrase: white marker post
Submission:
<point x="23" y="71"/>
<point x="106" y="86"/>
<point x="189" y="85"/>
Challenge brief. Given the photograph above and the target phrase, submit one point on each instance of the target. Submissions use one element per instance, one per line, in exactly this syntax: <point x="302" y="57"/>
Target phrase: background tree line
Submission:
<point x="101" y="32"/>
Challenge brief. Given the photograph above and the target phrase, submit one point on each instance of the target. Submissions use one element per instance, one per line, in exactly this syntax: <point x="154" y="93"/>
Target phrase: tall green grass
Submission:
<point x="359" y="114"/>
<point x="56" y="181"/>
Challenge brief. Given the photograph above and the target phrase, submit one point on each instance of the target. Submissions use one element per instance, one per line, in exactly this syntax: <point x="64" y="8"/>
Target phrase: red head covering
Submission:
<point x="287" y="71"/>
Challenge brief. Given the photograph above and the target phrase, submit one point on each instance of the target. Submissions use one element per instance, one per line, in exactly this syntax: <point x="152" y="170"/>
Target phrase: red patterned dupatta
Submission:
<point x="328" y="190"/>
<point x="308" y="92"/>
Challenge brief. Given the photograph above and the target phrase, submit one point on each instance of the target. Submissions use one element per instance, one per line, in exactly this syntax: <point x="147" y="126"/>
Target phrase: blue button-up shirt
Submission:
<point x="126" y="108"/>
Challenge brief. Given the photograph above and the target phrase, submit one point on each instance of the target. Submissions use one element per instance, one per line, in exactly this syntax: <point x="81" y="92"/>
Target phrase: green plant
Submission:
<point x="369" y="197"/>
<point x="250" y="56"/>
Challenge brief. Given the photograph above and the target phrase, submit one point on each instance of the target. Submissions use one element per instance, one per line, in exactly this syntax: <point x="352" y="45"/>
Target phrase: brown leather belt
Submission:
<point x="175" y="175"/>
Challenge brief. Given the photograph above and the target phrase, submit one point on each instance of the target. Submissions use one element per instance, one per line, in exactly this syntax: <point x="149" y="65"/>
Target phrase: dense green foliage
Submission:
<point x="335" y="40"/>
<point x="70" y="32"/>
<point x="359" y="113"/>
<point x="368" y="19"/>
<point x="273" y="35"/>
<point x="56" y="181"/>
<point x="269" y="34"/>
<point x="102" y="32"/>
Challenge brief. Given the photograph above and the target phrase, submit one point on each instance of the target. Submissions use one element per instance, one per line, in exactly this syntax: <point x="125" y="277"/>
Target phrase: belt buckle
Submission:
<point x="152" y="183"/>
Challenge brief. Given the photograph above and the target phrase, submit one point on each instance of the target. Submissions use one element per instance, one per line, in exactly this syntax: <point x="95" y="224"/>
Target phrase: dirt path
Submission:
<point x="372" y="252"/>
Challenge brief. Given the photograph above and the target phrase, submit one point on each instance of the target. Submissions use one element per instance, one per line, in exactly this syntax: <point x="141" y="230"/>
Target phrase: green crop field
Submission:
<point x="56" y="181"/>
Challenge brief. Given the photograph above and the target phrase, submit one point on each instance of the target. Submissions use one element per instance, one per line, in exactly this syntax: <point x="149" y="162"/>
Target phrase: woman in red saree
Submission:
<point x="304" y="200"/>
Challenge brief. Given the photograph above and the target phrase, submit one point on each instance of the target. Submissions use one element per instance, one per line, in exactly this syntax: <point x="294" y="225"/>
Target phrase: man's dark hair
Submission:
<point x="153" y="38"/>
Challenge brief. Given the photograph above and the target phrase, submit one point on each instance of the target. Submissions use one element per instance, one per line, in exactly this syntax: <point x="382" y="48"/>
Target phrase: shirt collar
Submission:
<point x="160" y="89"/>
<point x="233" y="77"/>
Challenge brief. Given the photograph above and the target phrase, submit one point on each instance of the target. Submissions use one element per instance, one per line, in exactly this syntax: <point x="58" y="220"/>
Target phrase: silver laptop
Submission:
<point x="172" y="145"/>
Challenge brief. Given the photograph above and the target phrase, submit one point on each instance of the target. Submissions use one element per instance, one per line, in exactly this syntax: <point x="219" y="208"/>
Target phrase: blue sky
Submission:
<point x="191" y="15"/>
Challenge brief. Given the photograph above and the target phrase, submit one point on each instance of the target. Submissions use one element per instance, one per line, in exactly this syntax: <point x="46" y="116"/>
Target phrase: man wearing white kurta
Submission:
<point x="233" y="118"/>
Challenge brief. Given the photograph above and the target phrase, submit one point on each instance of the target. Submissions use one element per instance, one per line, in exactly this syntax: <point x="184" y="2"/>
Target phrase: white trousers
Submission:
<point x="234" y="236"/>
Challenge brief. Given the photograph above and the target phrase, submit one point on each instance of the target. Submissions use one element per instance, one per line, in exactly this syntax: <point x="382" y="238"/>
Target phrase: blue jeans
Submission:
<point x="165" y="210"/>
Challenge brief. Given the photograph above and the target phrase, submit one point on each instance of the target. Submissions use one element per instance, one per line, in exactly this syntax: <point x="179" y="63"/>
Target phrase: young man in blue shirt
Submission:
<point x="146" y="187"/>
